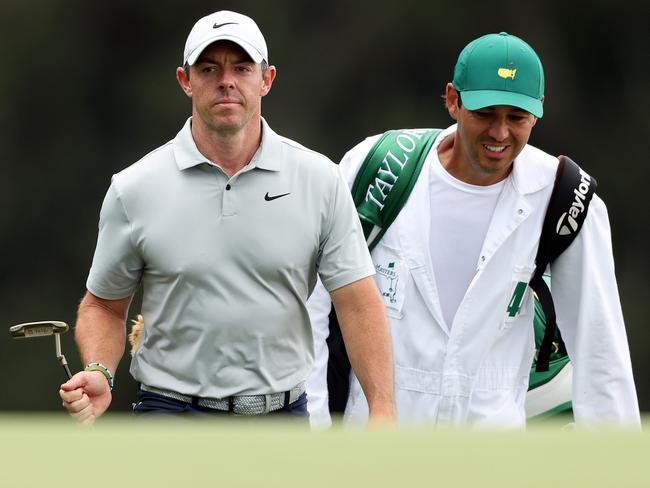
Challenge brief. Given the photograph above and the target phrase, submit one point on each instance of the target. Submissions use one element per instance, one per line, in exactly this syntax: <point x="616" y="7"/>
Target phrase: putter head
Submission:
<point x="38" y="329"/>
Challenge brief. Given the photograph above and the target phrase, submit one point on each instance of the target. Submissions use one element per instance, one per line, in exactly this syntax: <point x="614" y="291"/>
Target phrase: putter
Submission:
<point x="41" y="329"/>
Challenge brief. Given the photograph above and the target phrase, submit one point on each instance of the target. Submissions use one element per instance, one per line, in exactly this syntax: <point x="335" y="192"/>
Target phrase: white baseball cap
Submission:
<point x="225" y="26"/>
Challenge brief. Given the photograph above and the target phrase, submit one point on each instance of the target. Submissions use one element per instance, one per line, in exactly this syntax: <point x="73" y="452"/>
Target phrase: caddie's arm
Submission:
<point x="590" y="317"/>
<point x="100" y="334"/>
<point x="362" y="317"/>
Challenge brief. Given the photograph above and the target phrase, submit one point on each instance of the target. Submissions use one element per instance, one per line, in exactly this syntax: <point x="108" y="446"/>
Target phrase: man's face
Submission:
<point x="490" y="138"/>
<point x="226" y="87"/>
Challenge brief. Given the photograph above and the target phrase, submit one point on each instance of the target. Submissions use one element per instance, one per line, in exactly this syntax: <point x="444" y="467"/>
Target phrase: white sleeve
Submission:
<point x="319" y="306"/>
<point x="590" y="318"/>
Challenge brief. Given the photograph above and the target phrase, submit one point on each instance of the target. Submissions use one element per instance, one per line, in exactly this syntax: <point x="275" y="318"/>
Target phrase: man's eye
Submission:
<point x="209" y="69"/>
<point x="244" y="68"/>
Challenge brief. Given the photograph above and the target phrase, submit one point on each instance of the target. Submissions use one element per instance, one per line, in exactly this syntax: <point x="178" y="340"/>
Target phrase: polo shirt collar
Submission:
<point x="185" y="151"/>
<point x="266" y="157"/>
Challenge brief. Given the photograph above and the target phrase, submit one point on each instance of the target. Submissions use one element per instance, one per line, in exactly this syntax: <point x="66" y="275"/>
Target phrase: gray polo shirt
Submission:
<point x="226" y="264"/>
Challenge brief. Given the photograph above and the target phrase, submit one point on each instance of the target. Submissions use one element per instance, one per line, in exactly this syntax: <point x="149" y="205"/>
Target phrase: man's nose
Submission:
<point x="226" y="80"/>
<point x="499" y="130"/>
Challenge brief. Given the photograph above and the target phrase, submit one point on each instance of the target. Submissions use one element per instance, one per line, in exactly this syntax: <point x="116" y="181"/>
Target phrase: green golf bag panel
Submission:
<point x="549" y="393"/>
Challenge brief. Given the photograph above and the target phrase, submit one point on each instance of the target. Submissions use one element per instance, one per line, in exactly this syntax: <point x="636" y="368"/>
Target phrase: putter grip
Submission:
<point x="67" y="371"/>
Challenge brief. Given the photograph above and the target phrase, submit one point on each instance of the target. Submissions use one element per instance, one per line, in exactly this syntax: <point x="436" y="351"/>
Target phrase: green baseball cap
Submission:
<point x="500" y="69"/>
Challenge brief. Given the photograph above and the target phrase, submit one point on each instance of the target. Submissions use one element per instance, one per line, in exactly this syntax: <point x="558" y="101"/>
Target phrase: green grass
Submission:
<point x="49" y="451"/>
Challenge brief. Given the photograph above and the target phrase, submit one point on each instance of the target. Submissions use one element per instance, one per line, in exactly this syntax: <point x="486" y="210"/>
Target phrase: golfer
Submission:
<point x="226" y="227"/>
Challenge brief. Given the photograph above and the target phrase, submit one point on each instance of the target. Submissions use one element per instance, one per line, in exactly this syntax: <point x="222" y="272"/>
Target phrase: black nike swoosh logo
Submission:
<point x="269" y="198"/>
<point x="216" y="26"/>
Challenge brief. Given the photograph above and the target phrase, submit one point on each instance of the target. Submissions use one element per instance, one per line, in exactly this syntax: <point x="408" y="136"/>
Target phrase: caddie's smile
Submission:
<point x="494" y="149"/>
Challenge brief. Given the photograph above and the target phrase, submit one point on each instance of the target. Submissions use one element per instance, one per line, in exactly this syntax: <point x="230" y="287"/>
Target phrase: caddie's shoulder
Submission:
<point x="534" y="169"/>
<point x="539" y="159"/>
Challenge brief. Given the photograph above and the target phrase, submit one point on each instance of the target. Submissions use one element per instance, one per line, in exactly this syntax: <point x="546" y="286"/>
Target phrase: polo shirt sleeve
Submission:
<point x="117" y="264"/>
<point x="344" y="256"/>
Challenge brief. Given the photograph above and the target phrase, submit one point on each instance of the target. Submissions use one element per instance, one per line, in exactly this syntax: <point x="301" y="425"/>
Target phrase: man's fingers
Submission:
<point x="71" y="396"/>
<point x="86" y="396"/>
<point x="78" y="405"/>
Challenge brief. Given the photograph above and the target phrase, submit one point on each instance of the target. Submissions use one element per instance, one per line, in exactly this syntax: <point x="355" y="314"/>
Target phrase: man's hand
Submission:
<point x="86" y="396"/>
<point x="101" y="336"/>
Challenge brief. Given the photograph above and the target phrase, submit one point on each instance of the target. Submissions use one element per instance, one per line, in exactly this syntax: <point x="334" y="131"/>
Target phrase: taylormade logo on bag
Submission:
<point x="391" y="167"/>
<point x="567" y="223"/>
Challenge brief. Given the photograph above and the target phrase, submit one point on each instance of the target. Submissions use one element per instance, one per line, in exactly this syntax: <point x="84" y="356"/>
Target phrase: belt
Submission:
<point x="239" y="405"/>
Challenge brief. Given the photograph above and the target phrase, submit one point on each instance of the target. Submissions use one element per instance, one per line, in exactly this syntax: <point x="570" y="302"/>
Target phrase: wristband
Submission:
<point x="103" y="370"/>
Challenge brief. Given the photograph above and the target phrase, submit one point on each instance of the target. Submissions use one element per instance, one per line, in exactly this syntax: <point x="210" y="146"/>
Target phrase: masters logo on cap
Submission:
<point x="225" y="26"/>
<point x="500" y="69"/>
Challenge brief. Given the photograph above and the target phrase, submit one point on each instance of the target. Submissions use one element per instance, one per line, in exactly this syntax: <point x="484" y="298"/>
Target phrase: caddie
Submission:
<point x="454" y="266"/>
<point x="226" y="227"/>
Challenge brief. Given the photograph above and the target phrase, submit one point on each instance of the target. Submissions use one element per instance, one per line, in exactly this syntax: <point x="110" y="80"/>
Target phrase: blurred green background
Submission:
<point x="88" y="88"/>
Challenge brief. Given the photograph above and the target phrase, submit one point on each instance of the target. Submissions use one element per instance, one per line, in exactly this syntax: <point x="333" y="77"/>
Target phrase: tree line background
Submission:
<point x="87" y="88"/>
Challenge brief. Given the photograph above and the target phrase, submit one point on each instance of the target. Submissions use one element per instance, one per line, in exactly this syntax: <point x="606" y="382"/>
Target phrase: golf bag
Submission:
<point x="380" y="190"/>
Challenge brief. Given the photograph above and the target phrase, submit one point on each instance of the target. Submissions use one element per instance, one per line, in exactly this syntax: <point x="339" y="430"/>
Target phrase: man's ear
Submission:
<point x="267" y="80"/>
<point x="451" y="100"/>
<point x="184" y="81"/>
